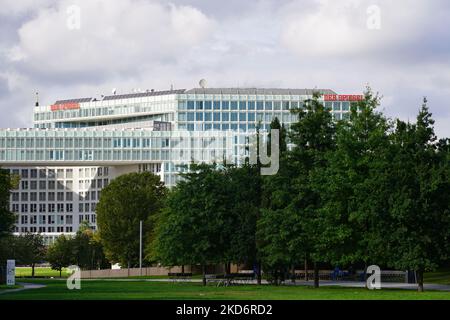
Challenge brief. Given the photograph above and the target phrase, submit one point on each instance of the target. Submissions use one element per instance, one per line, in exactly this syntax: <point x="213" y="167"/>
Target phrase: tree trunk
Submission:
<point x="60" y="272"/>
<point x="306" y="270"/>
<point x="316" y="275"/>
<point x="293" y="273"/>
<point x="182" y="268"/>
<point x="259" y="273"/>
<point x="204" y="274"/>
<point x="420" y="280"/>
<point x="32" y="270"/>
<point x="129" y="268"/>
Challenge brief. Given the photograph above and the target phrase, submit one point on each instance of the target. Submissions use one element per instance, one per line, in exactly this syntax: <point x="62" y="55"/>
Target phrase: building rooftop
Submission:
<point x="259" y="91"/>
<point x="231" y="91"/>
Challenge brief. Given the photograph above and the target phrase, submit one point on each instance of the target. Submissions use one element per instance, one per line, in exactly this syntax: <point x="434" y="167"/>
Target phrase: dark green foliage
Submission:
<point x="126" y="201"/>
<point x="6" y="217"/>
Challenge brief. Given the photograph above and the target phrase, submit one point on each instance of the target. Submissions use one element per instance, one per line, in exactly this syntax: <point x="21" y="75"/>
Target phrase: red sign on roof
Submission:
<point x="343" y="97"/>
<point x="65" y="106"/>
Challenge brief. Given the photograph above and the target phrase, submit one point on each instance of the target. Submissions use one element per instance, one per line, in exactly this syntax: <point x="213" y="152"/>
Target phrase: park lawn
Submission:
<point x="5" y="287"/>
<point x="142" y="290"/>
<point x="39" y="272"/>
<point x="439" y="277"/>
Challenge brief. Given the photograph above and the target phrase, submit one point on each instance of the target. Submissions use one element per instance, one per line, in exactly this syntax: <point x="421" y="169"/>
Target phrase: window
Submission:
<point x="199" y="105"/>
<point x="345" y="106"/>
<point x="225" y="105"/>
<point x="33" y="196"/>
<point x="69" y="196"/>
<point x="24" y="219"/>
<point x="199" y="116"/>
<point x="268" y="105"/>
<point x="336" y="106"/>
<point x="191" y="105"/>
<point x="69" y="207"/>
<point x="15" y="196"/>
<point x="277" y="105"/>
<point x="208" y="116"/>
<point x="234" y="105"/>
<point x="259" y="105"/>
<point x="24" y="174"/>
<point x="234" y="116"/>
<point x="42" y="185"/>
<point x="251" y="105"/>
<point x="208" y="105"/>
<point x="24" y="196"/>
<point x="42" y="173"/>
<point x="216" y="105"/>
<point x="33" y="185"/>
<point x="33" y="173"/>
<point x="60" y="196"/>
<point x="24" y="185"/>
<point x="216" y="116"/>
<point x="51" y="185"/>
<point x="225" y="116"/>
<point x="242" y="105"/>
<point x="242" y="116"/>
<point x="42" y="196"/>
<point x="60" y="207"/>
<point x="42" y="207"/>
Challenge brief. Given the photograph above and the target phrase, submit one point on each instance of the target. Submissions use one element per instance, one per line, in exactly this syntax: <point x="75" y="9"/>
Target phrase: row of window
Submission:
<point x="59" y="173"/>
<point x="43" y="229"/>
<point x="236" y="116"/>
<point x="53" y="196"/>
<point x="223" y="127"/>
<point x="45" y="219"/>
<point x="239" y="105"/>
<point x="41" y="196"/>
<point x="54" y="219"/>
<point x="52" y="207"/>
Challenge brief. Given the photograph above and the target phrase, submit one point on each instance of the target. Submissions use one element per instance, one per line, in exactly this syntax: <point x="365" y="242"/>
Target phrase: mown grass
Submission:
<point x="439" y="277"/>
<point x="40" y="272"/>
<point x="144" y="290"/>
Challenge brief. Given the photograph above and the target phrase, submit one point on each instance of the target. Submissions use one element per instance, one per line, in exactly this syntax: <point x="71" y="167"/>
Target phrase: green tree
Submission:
<point x="29" y="249"/>
<point x="7" y="218"/>
<point x="354" y="186"/>
<point x="60" y="254"/>
<point x="277" y="230"/>
<point x="313" y="137"/>
<point x="194" y="228"/>
<point x="88" y="250"/>
<point x="126" y="201"/>
<point x="419" y="202"/>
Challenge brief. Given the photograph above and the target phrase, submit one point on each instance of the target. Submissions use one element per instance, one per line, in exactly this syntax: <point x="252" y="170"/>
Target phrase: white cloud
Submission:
<point x="333" y="28"/>
<point x="114" y="37"/>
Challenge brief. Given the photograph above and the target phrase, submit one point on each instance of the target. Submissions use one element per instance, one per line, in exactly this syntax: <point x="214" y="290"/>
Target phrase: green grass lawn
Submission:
<point x="440" y="277"/>
<point x="118" y="290"/>
<point x="39" y="272"/>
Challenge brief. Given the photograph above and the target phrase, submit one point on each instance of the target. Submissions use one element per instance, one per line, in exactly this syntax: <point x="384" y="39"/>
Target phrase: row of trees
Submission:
<point x="84" y="250"/>
<point x="366" y="190"/>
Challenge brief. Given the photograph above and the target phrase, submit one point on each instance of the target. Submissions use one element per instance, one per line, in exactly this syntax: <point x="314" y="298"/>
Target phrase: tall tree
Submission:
<point x="354" y="185"/>
<point x="313" y="136"/>
<point x="418" y="233"/>
<point x="193" y="227"/>
<point x="126" y="201"/>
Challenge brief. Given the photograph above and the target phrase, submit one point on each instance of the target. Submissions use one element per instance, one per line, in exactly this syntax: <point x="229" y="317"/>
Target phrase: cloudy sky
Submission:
<point x="401" y="48"/>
